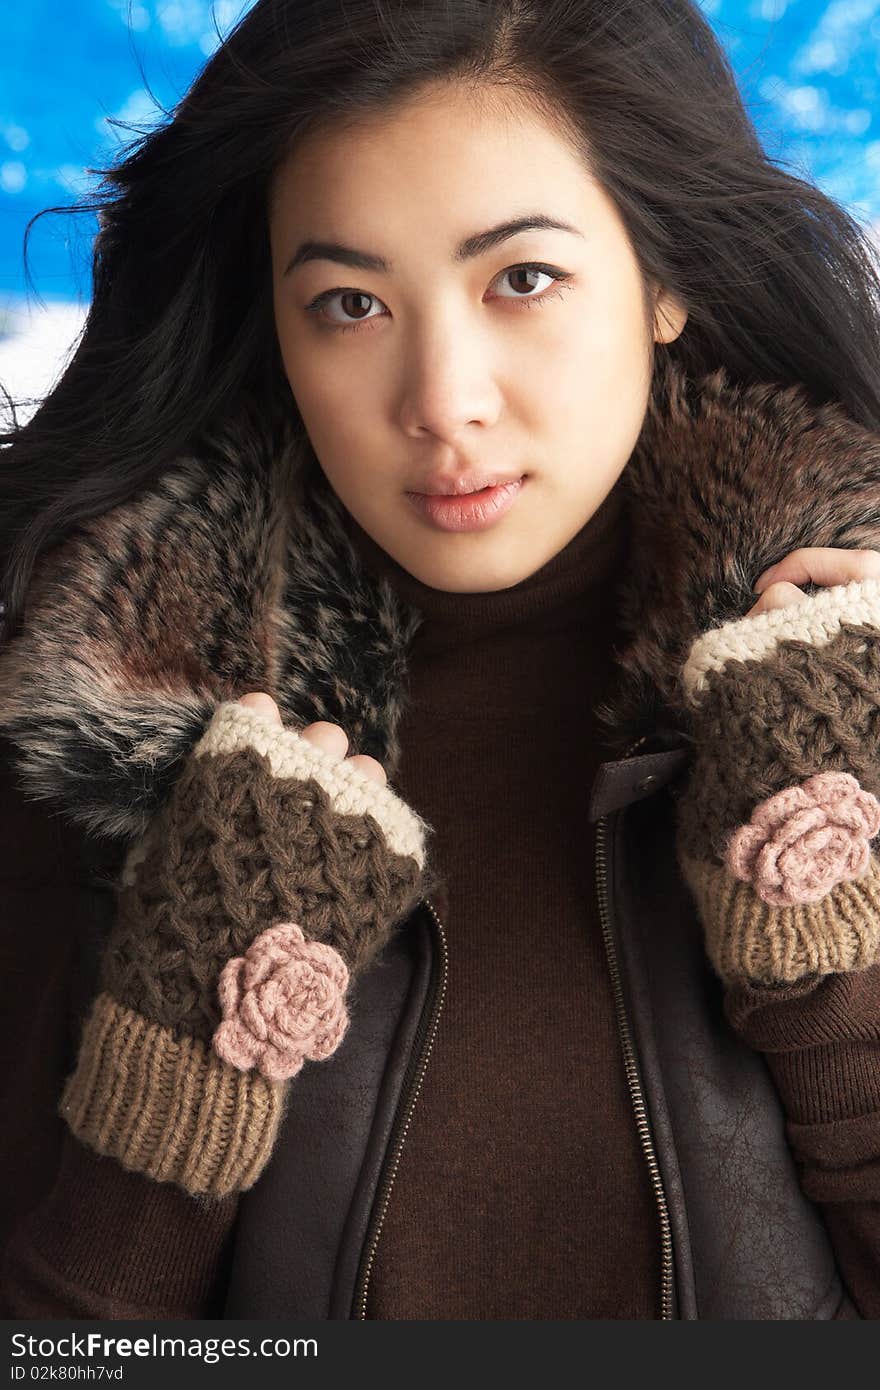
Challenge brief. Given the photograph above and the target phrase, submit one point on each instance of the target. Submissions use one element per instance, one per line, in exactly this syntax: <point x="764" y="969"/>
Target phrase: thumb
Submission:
<point x="263" y="704"/>
<point x="779" y="594"/>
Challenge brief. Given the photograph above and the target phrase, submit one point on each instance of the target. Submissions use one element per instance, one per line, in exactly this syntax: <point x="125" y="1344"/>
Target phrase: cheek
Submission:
<point x="323" y="396"/>
<point x="325" y="390"/>
<point x="601" y="380"/>
<point x="342" y="428"/>
<point x="299" y="363"/>
<point x="341" y="408"/>
<point x="592" y="408"/>
<point x="303" y="360"/>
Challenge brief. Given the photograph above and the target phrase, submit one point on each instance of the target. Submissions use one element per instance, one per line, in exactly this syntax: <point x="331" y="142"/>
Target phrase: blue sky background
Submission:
<point x="809" y="73"/>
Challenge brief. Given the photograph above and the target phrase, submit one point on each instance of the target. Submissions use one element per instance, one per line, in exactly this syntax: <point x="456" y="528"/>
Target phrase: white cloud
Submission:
<point x="16" y="138"/>
<point x="73" y="177"/>
<point x="35" y="346"/>
<point x="810" y="108"/>
<point x="183" y="22"/>
<point x="839" y="32"/>
<point x="135" y="15"/>
<point x="13" y="176"/>
<point x="768" y="9"/>
<point x="139" y="109"/>
<point x="194" y="21"/>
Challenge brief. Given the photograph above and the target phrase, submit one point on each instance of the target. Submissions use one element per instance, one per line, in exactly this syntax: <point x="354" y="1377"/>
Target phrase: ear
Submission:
<point x="670" y="316"/>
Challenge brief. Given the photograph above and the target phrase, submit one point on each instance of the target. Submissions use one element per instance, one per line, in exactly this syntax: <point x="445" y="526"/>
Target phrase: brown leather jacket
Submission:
<point x="739" y="1238"/>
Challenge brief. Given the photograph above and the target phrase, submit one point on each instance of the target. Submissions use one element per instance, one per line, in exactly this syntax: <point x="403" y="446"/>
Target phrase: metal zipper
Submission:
<point x="430" y="1033"/>
<point x="629" y="1060"/>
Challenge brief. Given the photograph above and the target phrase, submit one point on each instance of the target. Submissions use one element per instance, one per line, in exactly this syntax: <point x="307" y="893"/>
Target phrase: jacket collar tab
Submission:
<point x="624" y="781"/>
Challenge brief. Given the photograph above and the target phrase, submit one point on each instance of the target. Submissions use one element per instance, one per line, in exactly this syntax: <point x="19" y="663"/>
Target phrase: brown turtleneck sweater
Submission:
<point x="521" y="1180"/>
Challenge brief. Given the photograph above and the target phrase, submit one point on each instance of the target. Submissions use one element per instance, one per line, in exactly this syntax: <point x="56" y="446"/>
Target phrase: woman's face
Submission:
<point x="438" y="363"/>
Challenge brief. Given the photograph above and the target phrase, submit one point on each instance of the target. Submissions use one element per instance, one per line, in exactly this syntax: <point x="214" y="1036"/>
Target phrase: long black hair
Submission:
<point x="779" y="281"/>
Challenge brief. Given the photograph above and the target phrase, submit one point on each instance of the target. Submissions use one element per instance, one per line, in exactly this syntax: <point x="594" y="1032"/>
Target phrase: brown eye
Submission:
<point x="356" y="302"/>
<point x="524" y="277"/>
<point x="522" y="273"/>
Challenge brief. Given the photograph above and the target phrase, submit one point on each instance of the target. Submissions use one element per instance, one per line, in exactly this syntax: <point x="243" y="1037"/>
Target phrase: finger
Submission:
<point x="331" y="737"/>
<point x="370" y="766"/>
<point x="825" y="565"/>
<point x="778" y="595"/>
<point x="263" y="703"/>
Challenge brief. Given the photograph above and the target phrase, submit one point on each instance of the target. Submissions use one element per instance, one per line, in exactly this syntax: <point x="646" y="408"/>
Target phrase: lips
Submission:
<point x="468" y="512"/>
<point x="463" y="484"/>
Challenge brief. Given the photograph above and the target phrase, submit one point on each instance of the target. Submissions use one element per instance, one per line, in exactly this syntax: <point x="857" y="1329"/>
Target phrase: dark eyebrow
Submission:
<point x="471" y="247"/>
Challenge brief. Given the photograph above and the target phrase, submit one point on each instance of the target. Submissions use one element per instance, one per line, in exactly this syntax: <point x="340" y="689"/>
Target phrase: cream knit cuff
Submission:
<point x="351" y="791"/>
<point x="816" y="619"/>
<point x="234" y="727"/>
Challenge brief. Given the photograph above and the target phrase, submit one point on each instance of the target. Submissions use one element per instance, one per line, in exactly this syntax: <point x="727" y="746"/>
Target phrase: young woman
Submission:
<point x="439" y="696"/>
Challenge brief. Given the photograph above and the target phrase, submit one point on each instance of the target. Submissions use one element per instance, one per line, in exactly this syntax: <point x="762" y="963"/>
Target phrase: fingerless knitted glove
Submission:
<point x="273" y="874"/>
<point x="776" y="824"/>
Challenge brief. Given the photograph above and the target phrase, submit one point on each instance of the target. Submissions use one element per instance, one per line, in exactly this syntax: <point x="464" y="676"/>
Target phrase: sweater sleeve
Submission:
<point x="81" y="1236"/>
<point x="821" y="1041"/>
<point x="109" y="1243"/>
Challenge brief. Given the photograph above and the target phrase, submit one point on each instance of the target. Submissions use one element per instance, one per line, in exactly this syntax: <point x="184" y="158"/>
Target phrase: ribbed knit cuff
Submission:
<point x="821" y="1036"/>
<point x="750" y="939"/>
<point x="169" y="1108"/>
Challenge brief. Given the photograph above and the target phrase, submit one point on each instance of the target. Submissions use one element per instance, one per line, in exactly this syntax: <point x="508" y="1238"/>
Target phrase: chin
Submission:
<point x="476" y="583"/>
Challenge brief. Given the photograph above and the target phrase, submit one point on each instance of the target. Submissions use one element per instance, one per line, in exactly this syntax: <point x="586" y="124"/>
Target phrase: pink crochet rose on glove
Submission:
<point x="804" y="840"/>
<point x="282" y="1001"/>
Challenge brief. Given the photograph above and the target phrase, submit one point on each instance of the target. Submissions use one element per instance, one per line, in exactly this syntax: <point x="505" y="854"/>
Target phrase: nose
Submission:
<point x="449" y="383"/>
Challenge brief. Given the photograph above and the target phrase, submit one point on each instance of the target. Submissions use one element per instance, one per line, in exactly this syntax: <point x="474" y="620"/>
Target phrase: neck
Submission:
<point x="576" y="579"/>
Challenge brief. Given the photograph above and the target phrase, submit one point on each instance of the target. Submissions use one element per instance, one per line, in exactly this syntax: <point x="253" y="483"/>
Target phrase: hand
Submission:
<point x="269" y="878"/>
<point x="776" y="825"/>
<point x="331" y="737"/>
<point x="823" y="565"/>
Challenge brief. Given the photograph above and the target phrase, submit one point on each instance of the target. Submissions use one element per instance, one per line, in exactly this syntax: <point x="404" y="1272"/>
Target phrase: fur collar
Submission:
<point x="233" y="572"/>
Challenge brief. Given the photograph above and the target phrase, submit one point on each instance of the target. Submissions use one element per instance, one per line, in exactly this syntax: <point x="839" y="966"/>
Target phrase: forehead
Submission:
<point x="448" y="143"/>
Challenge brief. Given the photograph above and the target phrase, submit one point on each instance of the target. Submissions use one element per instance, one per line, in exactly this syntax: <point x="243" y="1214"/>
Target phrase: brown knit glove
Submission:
<point x="775" y="827"/>
<point x="274" y="873"/>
